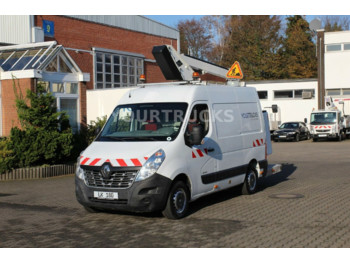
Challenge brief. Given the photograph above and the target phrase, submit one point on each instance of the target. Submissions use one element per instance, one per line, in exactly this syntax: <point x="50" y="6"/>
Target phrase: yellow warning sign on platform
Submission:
<point x="235" y="71"/>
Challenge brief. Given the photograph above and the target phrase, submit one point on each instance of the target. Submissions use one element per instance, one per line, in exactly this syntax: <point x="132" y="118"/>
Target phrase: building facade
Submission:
<point x="106" y="52"/>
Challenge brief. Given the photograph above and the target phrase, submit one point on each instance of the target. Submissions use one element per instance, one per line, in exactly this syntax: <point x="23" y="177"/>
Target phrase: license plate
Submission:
<point x="323" y="135"/>
<point x="283" y="136"/>
<point x="106" y="195"/>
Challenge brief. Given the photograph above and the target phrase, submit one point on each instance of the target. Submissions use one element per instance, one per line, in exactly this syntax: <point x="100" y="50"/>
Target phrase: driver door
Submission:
<point x="200" y="158"/>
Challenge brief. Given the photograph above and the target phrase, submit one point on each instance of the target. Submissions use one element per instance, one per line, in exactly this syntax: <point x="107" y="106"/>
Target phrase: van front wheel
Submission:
<point x="250" y="181"/>
<point x="177" y="202"/>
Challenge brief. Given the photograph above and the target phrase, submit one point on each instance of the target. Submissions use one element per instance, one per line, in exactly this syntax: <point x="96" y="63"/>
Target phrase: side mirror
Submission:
<point x="196" y="135"/>
<point x="274" y="108"/>
<point x="305" y="120"/>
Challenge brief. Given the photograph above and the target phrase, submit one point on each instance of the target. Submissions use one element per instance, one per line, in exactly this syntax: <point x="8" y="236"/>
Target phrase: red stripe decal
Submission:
<point x="193" y="155"/>
<point x="81" y="157"/>
<point x="95" y="161"/>
<point x="254" y="144"/>
<point x="146" y="158"/>
<point x="200" y="153"/>
<point x="84" y="161"/>
<point x="121" y="162"/>
<point x="136" y="162"/>
<point x="108" y="161"/>
<point x="262" y="141"/>
<point x="257" y="141"/>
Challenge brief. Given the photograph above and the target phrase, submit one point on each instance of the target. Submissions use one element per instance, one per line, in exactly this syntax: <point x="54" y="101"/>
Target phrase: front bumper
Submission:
<point x="324" y="135"/>
<point x="143" y="196"/>
<point x="284" y="137"/>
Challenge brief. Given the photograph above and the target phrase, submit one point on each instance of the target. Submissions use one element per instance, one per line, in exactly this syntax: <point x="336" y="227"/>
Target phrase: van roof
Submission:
<point x="189" y="93"/>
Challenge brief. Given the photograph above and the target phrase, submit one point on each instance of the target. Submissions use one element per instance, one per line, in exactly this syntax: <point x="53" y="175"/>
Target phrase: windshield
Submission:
<point x="144" y="122"/>
<point x="289" y="125"/>
<point x="323" y="118"/>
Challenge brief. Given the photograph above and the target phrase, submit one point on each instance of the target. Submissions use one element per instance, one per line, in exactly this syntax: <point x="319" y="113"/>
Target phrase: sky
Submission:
<point x="177" y="9"/>
<point x="172" y="20"/>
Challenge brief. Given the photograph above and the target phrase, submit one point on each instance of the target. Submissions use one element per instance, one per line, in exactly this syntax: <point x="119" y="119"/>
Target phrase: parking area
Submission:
<point x="307" y="205"/>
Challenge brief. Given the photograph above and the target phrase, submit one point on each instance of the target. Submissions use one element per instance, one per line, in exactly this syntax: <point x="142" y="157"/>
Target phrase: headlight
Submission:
<point x="151" y="166"/>
<point x="275" y="132"/>
<point x="79" y="172"/>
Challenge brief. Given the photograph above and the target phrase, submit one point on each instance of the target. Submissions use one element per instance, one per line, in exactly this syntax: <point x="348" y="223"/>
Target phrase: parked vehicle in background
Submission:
<point x="329" y="123"/>
<point x="292" y="131"/>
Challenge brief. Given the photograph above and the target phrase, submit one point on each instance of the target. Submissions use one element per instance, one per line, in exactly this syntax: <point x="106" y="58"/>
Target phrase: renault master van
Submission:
<point x="167" y="145"/>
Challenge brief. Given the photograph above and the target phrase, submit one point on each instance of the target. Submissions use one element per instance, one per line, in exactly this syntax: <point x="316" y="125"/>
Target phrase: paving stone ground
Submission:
<point x="307" y="205"/>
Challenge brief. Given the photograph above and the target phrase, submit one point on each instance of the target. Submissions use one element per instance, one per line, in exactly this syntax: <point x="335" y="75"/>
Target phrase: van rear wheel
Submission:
<point x="177" y="202"/>
<point x="250" y="181"/>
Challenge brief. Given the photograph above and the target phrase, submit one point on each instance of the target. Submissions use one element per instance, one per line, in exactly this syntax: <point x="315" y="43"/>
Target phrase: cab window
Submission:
<point x="199" y="117"/>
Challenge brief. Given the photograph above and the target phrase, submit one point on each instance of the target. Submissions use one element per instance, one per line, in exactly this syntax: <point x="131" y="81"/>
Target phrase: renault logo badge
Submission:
<point x="105" y="171"/>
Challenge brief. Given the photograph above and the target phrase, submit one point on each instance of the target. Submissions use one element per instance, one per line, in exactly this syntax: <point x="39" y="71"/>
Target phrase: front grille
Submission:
<point x="323" y="131"/>
<point x="118" y="179"/>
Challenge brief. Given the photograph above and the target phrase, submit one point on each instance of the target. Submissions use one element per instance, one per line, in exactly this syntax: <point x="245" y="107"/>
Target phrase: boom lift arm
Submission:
<point x="181" y="67"/>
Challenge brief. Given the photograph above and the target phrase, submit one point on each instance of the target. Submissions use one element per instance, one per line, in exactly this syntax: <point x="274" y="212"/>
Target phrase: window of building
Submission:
<point x="333" y="92"/>
<point x="283" y="94"/>
<point x="59" y="64"/>
<point x="306" y="92"/>
<point x="346" y="46"/>
<point x="335" y="47"/>
<point x="262" y="94"/>
<point x="346" y="91"/>
<point x="67" y="95"/>
<point x="114" y="70"/>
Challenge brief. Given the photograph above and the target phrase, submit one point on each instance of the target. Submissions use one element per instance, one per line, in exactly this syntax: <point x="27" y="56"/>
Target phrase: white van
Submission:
<point x="167" y="145"/>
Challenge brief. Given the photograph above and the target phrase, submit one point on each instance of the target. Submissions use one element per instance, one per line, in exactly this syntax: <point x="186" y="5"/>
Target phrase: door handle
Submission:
<point x="211" y="149"/>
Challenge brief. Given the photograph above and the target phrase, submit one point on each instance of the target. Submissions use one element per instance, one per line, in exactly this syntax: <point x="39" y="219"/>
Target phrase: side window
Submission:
<point x="199" y="117"/>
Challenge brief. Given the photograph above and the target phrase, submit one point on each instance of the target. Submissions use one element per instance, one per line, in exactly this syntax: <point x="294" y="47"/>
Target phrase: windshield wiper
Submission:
<point x="147" y="138"/>
<point x="136" y="138"/>
<point x="114" y="138"/>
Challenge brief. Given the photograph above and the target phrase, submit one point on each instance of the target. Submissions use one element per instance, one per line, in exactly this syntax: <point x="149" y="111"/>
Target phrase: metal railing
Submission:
<point x="38" y="172"/>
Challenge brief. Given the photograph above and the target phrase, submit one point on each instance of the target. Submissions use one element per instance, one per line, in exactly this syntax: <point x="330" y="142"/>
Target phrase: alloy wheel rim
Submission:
<point x="251" y="181"/>
<point x="179" y="200"/>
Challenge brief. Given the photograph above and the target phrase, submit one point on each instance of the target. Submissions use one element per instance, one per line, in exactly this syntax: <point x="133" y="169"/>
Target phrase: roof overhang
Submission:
<point x="35" y="67"/>
<point x="33" y="73"/>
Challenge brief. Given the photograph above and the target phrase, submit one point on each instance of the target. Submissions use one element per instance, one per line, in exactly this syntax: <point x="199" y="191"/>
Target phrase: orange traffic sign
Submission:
<point x="235" y="71"/>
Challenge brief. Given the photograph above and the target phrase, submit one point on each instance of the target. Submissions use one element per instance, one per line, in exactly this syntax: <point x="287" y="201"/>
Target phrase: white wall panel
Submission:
<point x="15" y="29"/>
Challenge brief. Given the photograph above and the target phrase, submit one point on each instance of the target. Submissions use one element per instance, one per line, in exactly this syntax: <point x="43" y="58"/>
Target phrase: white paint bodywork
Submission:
<point x="236" y="143"/>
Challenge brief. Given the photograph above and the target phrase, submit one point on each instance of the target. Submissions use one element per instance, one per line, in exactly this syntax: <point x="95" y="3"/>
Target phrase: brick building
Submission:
<point x="72" y="54"/>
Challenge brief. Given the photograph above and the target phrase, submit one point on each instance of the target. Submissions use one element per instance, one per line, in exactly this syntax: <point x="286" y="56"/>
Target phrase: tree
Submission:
<point x="253" y="41"/>
<point x="195" y="38"/>
<point x="335" y="23"/>
<point x="45" y="137"/>
<point x="217" y="25"/>
<point x="299" y="52"/>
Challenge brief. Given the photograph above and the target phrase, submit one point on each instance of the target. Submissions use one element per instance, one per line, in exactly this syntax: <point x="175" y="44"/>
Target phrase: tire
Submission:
<point x="177" y="202"/>
<point x="339" y="137"/>
<point x="297" y="138"/>
<point x="250" y="182"/>
<point x="308" y="136"/>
